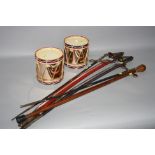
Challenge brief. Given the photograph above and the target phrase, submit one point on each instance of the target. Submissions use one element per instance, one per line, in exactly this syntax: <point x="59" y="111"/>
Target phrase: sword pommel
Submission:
<point x="141" y="68"/>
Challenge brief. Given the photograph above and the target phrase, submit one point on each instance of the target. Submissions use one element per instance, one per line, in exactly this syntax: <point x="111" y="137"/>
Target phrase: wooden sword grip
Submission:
<point x="141" y="68"/>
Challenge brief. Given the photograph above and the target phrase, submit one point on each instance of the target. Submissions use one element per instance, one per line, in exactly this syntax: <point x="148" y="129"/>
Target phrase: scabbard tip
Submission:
<point x="20" y="119"/>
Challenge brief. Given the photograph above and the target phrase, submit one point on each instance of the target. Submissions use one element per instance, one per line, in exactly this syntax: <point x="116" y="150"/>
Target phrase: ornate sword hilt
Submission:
<point x="113" y="56"/>
<point x="124" y="60"/>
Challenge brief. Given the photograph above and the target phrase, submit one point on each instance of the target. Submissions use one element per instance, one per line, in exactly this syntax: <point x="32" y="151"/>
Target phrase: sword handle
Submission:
<point x="141" y="68"/>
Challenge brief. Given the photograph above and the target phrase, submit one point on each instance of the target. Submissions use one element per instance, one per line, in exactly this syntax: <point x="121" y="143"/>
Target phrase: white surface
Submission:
<point x="128" y="103"/>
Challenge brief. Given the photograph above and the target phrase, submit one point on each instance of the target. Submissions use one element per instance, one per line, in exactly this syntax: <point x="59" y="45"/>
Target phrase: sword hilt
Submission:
<point x="114" y="56"/>
<point x="140" y="68"/>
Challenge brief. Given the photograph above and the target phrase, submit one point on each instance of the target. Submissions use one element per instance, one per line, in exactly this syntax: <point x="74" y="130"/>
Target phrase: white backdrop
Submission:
<point x="128" y="103"/>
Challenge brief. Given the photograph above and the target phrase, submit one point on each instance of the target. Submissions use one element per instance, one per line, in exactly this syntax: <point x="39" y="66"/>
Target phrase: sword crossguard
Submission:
<point x="133" y="74"/>
<point x="125" y="59"/>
